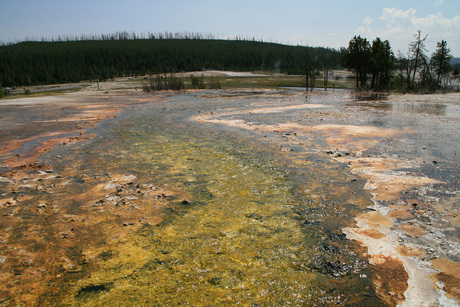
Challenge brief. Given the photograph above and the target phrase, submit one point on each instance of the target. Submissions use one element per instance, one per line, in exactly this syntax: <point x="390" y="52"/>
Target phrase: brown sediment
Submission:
<point x="83" y="120"/>
<point x="8" y="148"/>
<point x="412" y="230"/>
<point x="451" y="284"/>
<point x="449" y="276"/>
<point x="390" y="279"/>
<point x="376" y="219"/>
<point x="449" y="208"/>
<point x="354" y="131"/>
<point x="31" y="157"/>
<point x="406" y="251"/>
<point x="389" y="185"/>
<point x="372" y="233"/>
<point x="401" y="213"/>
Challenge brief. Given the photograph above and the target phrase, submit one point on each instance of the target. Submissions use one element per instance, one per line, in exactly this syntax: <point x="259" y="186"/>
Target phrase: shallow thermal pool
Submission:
<point x="210" y="198"/>
<point x="257" y="226"/>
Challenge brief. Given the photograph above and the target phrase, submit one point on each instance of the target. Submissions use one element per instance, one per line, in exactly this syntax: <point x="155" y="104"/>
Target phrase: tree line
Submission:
<point x="125" y="35"/>
<point x="43" y="62"/>
<point x="415" y="71"/>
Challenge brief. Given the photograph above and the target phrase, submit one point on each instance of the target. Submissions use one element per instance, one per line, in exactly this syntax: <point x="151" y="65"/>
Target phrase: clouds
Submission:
<point x="438" y="23"/>
<point x="395" y="17"/>
<point x="398" y="26"/>
<point x="366" y="25"/>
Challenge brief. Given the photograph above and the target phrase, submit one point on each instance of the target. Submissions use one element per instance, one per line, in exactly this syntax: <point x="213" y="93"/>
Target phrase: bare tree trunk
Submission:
<point x="326" y="75"/>
<point x="417" y="49"/>
<point x="307" y="68"/>
<point x="440" y="65"/>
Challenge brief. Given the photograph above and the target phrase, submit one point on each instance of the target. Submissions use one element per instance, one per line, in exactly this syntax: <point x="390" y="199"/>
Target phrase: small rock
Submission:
<point x="28" y="262"/>
<point x="99" y="203"/>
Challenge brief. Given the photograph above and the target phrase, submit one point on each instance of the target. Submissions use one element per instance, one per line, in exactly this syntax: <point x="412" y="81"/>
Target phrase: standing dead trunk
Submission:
<point x="307" y="68"/>
<point x="326" y="75"/>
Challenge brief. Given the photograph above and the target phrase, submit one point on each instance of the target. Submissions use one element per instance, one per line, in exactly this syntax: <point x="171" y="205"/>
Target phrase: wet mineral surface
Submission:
<point x="230" y="197"/>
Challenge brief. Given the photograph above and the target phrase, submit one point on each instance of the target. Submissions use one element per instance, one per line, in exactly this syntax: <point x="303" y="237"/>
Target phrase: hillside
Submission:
<point x="35" y="63"/>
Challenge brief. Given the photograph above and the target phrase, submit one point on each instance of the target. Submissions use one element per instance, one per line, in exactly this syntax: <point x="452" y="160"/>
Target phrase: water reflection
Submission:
<point x="384" y="106"/>
<point x="378" y="122"/>
<point x="369" y="96"/>
<point x="381" y="102"/>
<point x="422" y="108"/>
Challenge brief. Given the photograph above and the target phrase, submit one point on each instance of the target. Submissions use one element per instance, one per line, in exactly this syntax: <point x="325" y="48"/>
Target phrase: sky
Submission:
<point x="320" y="23"/>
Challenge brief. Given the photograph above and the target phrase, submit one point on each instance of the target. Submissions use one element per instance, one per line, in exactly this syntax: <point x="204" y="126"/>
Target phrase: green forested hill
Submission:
<point x="32" y="63"/>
